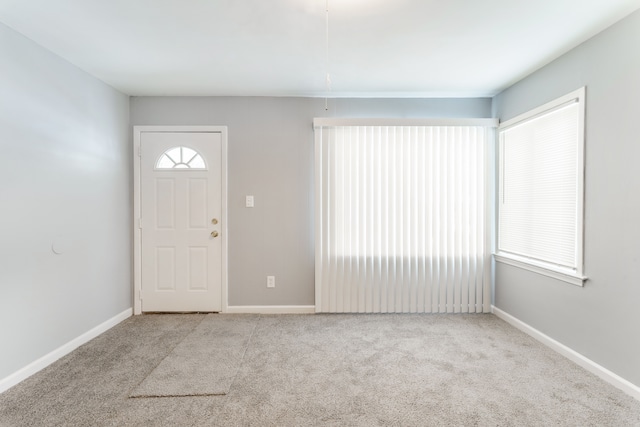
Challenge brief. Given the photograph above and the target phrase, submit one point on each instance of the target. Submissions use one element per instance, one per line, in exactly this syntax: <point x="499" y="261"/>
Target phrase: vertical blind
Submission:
<point x="401" y="219"/>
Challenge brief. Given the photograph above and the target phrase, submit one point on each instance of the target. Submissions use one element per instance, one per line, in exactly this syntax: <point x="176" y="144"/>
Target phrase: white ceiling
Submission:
<point x="377" y="48"/>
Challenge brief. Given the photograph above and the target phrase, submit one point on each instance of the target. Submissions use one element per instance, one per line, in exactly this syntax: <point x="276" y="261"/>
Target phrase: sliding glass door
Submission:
<point x="401" y="217"/>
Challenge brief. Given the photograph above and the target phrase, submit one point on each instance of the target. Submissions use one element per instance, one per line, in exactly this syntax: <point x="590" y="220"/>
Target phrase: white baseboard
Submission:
<point x="48" y="359"/>
<point x="271" y="309"/>
<point x="588" y="364"/>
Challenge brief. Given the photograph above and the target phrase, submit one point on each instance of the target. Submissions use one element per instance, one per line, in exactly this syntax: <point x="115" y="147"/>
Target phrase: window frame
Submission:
<point x="157" y="167"/>
<point x="569" y="275"/>
<point x="328" y="299"/>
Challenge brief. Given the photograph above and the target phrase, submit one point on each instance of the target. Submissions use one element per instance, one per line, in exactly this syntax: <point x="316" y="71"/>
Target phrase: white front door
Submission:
<point x="181" y="206"/>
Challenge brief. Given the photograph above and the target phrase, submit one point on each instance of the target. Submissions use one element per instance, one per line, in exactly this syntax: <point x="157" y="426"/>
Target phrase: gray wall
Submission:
<point x="271" y="157"/>
<point x="601" y="320"/>
<point x="65" y="177"/>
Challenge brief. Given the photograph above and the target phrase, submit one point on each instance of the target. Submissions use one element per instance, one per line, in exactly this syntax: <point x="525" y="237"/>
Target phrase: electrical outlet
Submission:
<point x="248" y="202"/>
<point x="271" y="281"/>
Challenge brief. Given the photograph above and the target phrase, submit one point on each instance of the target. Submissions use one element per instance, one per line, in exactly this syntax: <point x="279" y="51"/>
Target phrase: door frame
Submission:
<point x="137" y="220"/>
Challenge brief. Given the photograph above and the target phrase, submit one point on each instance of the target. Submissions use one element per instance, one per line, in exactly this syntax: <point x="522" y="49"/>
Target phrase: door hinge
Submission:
<point x="140" y="223"/>
<point x="139" y="151"/>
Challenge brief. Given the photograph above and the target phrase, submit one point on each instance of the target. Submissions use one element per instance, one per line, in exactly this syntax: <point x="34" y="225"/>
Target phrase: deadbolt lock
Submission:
<point x="214" y="221"/>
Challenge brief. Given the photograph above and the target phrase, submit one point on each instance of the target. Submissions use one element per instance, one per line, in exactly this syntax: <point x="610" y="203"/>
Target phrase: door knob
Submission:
<point x="214" y="234"/>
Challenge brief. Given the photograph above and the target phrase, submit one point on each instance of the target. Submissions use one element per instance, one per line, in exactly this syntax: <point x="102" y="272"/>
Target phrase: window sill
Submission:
<point x="567" y="276"/>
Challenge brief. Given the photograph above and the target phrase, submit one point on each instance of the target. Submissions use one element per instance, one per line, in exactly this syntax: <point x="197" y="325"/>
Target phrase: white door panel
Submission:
<point x="181" y="264"/>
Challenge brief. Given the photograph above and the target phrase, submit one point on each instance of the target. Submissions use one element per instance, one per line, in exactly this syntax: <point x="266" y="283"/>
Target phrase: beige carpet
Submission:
<point x="327" y="370"/>
<point x="205" y="363"/>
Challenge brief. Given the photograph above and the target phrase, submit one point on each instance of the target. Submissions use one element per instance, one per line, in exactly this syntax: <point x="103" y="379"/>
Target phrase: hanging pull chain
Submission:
<point x="328" y="77"/>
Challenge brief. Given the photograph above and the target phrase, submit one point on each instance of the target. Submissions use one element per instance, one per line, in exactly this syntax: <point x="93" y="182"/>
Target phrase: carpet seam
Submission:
<point x="158" y="396"/>
<point x="246" y="347"/>
<point x="158" y="364"/>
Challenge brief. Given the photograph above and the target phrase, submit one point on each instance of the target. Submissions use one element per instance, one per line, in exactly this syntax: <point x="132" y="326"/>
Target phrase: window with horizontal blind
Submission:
<point x="541" y="174"/>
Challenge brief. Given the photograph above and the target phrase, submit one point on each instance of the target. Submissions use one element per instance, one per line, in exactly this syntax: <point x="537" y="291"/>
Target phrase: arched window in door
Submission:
<point x="181" y="158"/>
